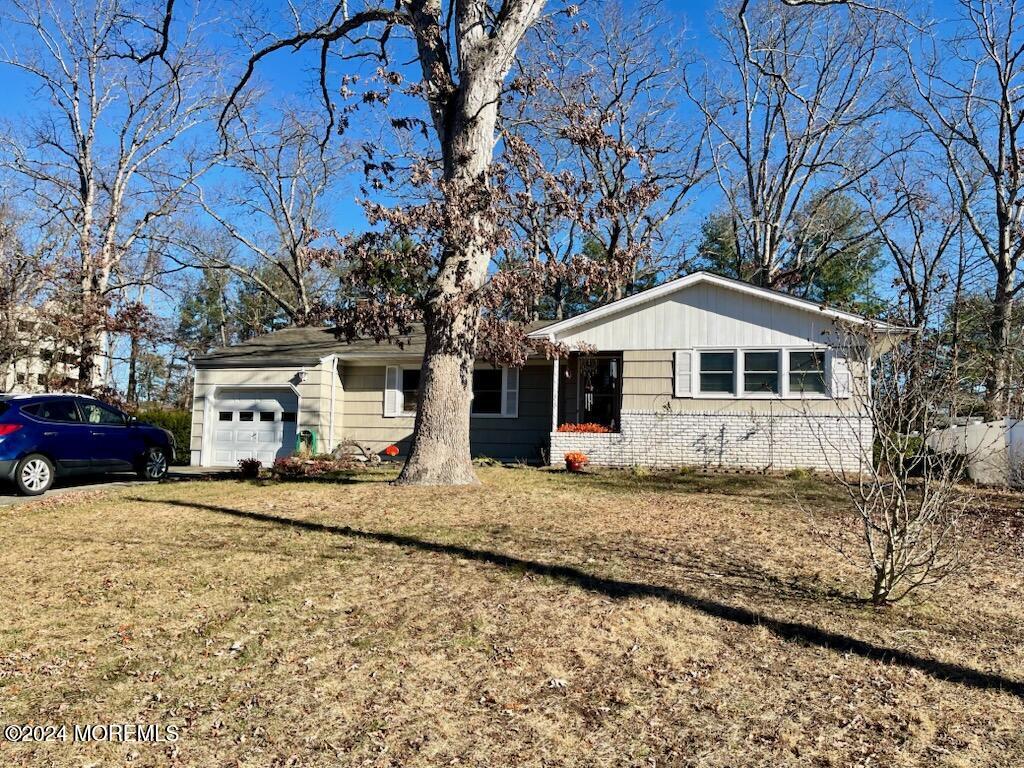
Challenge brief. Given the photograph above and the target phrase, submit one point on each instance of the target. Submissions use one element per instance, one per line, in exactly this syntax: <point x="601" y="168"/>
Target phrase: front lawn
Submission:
<point x="540" y="619"/>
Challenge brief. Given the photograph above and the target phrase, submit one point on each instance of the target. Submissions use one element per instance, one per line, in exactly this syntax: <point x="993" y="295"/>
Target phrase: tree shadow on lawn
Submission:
<point x="618" y="588"/>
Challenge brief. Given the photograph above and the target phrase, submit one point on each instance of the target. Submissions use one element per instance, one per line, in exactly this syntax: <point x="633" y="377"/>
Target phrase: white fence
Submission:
<point x="994" y="450"/>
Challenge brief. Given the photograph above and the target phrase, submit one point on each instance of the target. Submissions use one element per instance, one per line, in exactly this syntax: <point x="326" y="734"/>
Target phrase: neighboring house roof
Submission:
<point x="307" y="346"/>
<point x="696" y="278"/>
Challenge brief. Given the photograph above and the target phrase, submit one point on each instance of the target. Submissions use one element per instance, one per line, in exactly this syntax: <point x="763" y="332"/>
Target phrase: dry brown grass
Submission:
<point x="540" y="619"/>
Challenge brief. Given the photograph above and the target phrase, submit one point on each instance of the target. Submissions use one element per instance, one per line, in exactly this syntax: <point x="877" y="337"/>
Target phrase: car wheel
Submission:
<point x="154" y="465"/>
<point x="34" y="475"/>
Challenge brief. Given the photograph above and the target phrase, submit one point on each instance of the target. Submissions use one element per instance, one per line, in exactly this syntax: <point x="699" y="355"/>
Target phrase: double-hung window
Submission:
<point x="487" y="385"/>
<point x="410" y="390"/>
<point x="718" y="373"/>
<point x="761" y="372"/>
<point x="756" y="372"/>
<point x="807" y="372"/>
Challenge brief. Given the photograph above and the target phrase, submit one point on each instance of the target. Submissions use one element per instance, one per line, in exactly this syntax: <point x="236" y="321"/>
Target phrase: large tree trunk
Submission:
<point x="440" y="453"/>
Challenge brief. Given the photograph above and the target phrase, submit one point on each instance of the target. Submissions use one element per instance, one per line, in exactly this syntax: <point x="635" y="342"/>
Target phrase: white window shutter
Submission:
<point x="510" y="397"/>
<point x="683" y="373"/>
<point x="841" y="379"/>
<point x="393" y="391"/>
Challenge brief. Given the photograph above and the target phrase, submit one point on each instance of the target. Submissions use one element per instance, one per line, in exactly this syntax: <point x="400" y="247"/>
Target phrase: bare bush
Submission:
<point x="904" y="493"/>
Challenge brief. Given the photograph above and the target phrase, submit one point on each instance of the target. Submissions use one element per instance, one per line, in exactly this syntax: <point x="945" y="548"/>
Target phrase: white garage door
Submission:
<point x="250" y="423"/>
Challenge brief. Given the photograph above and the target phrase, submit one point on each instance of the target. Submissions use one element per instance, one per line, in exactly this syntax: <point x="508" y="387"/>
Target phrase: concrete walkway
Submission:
<point x="9" y="496"/>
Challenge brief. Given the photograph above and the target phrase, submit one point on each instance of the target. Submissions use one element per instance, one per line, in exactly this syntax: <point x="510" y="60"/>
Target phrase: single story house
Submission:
<point x="702" y="370"/>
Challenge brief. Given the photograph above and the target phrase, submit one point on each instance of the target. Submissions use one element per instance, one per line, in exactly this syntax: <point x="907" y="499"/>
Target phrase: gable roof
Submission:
<point x="702" y="277"/>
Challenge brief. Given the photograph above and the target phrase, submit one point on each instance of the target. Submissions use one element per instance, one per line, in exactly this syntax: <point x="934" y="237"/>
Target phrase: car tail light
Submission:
<point x="6" y="429"/>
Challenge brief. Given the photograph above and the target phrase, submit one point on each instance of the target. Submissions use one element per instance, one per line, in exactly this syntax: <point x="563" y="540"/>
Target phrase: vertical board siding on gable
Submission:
<point x="703" y="316"/>
<point x="502" y="438"/>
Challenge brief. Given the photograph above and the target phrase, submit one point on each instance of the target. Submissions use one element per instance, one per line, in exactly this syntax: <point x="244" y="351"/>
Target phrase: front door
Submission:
<point x="601" y="389"/>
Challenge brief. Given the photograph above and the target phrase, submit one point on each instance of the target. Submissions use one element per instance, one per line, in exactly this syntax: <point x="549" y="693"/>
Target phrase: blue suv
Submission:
<point x="43" y="437"/>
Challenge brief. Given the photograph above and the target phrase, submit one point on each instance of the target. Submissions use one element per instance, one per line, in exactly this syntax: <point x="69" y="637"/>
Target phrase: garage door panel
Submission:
<point x="265" y="435"/>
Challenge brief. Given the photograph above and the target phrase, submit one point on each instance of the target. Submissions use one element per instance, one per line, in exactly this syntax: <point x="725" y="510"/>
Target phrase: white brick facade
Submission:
<point x="716" y="440"/>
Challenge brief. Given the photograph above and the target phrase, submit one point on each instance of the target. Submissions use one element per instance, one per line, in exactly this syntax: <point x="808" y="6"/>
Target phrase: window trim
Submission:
<point x="784" y="392"/>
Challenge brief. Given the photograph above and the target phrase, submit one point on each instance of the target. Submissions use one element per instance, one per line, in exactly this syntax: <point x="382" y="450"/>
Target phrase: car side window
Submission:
<point x="54" y="410"/>
<point x="97" y="413"/>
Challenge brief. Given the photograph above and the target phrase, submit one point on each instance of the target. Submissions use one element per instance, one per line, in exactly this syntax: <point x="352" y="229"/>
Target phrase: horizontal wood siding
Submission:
<point x="647" y="385"/>
<point x="508" y="439"/>
<point x="314" y="394"/>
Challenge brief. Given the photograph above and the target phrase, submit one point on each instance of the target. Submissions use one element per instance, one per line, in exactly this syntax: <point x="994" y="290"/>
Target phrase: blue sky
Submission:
<point x="288" y="76"/>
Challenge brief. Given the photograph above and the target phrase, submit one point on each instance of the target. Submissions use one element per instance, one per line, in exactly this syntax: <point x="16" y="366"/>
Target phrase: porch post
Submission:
<point x="554" y="395"/>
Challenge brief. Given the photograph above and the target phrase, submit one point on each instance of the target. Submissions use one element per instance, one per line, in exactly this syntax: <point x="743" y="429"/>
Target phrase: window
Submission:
<point x="245" y="416"/>
<point x="20" y="378"/>
<point x="225" y="416"/>
<point x="97" y="413"/>
<point x="63" y="410"/>
<point x="495" y="392"/>
<point x="487" y="385"/>
<point x="760" y="372"/>
<point x="266" y="415"/>
<point x="718" y="372"/>
<point x="41" y="379"/>
<point x="410" y="389"/>
<point x="288" y="417"/>
<point x="807" y="372"/>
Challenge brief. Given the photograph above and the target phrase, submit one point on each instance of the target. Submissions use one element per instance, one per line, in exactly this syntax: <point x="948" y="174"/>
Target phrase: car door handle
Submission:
<point x="98" y="434"/>
<point x="49" y="434"/>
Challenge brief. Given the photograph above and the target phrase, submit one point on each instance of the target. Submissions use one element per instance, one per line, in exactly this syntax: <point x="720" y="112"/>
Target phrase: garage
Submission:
<point x="253" y="423"/>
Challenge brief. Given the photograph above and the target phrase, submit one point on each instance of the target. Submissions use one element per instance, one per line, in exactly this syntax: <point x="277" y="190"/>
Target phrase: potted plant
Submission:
<point x="575" y="461"/>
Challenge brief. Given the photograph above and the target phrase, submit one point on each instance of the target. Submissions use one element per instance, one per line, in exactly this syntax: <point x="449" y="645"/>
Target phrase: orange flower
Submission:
<point x="391" y="450"/>
<point x="587" y="428"/>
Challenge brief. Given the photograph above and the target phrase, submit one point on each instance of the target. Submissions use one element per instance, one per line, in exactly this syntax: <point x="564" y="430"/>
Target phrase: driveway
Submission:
<point x="9" y="497"/>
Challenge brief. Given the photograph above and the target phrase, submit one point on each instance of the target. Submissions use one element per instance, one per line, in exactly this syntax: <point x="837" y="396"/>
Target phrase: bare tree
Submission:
<point x="968" y="92"/>
<point x="592" y="124"/>
<point x="276" y="212"/>
<point x="464" y="52"/>
<point x="107" y="157"/>
<point x="795" y="117"/>
<point x="905" y="495"/>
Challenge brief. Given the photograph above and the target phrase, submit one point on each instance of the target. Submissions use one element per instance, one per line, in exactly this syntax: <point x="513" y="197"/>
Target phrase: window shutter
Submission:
<point x="510" y="397"/>
<point x="393" y="391"/>
<point x="840" y="374"/>
<point x="683" y="373"/>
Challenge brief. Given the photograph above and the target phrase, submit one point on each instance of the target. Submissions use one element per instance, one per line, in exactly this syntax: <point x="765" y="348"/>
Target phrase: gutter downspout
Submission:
<point x="334" y="388"/>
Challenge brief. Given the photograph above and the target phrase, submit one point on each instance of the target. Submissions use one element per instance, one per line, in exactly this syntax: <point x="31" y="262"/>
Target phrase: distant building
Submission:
<point x="41" y="362"/>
